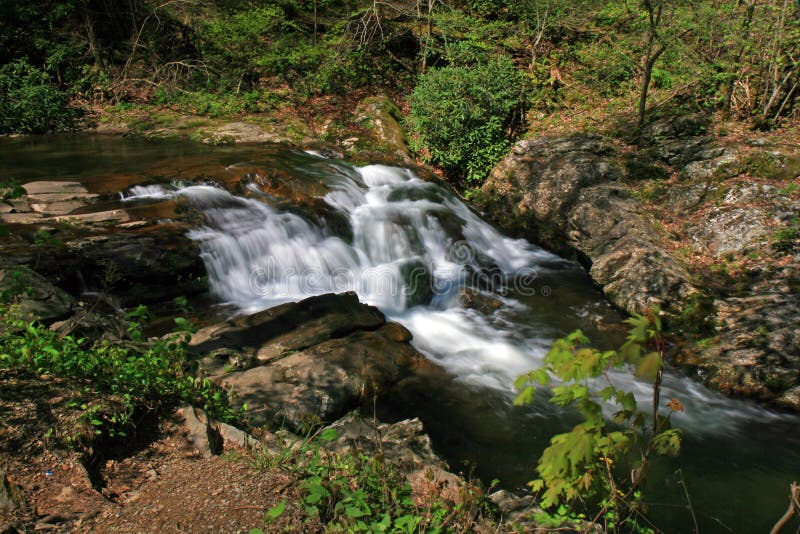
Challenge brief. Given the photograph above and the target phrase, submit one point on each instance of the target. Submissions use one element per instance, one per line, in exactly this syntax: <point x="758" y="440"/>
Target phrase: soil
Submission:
<point x="153" y="481"/>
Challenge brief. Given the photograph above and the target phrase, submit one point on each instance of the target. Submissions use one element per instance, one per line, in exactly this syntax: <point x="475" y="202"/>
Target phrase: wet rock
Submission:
<point x="756" y="351"/>
<point x="476" y="300"/>
<point x="139" y="267"/>
<point x="38" y="299"/>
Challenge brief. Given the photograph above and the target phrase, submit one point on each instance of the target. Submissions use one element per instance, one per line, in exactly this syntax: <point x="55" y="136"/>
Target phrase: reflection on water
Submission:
<point x="483" y="306"/>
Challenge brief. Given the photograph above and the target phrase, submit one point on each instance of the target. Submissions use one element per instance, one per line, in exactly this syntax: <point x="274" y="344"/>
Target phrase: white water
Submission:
<point x="414" y="247"/>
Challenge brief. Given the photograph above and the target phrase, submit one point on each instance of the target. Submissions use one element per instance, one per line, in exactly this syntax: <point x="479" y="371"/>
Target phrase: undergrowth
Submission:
<point x="144" y="374"/>
<point x="356" y="492"/>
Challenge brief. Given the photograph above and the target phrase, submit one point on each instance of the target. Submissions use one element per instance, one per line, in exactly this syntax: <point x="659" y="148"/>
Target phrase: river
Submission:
<point x="482" y="305"/>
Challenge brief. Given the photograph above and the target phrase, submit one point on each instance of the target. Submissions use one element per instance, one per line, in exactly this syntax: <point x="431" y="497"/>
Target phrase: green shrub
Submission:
<point x="462" y="116"/>
<point x="30" y="102"/>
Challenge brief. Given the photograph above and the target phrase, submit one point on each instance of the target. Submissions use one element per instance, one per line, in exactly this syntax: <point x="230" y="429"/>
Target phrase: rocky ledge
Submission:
<point x="708" y="230"/>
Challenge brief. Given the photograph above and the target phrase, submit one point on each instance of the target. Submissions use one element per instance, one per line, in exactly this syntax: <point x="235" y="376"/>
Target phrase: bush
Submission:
<point x="462" y="116"/>
<point x="30" y="102"/>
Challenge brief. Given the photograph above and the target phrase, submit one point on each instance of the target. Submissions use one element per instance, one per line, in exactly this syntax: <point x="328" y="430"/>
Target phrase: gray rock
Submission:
<point x="404" y="444"/>
<point x="564" y="194"/>
<point x="201" y="430"/>
<point x="321" y="382"/>
<point x="38" y="299"/>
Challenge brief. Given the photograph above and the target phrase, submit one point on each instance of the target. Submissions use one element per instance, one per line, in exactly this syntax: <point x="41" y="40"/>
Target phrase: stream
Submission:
<point x="483" y="306"/>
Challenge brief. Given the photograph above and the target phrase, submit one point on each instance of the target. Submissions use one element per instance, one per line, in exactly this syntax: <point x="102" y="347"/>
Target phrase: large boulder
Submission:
<point x="306" y="362"/>
<point x="564" y="193"/>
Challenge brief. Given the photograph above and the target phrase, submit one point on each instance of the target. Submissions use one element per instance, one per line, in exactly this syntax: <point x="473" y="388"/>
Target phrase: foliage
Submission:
<point x="599" y="462"/>
<point x="144" y="374"/>
<point x="30" y="102"/>
<point x="463" y="117"/>
<point x="355" y="492"/>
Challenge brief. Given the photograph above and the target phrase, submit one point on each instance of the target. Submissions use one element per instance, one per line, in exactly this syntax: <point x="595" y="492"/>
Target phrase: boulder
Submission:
<point x="305" y="362"/>
<point x="38" y="298"/>
<point x="381" y="117"/>
<point x="564" y="193"/>
<point x="405" y="445"/>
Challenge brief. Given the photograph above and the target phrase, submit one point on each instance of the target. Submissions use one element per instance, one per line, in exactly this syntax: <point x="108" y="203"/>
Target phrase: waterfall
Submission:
<point x="415" y="249"/>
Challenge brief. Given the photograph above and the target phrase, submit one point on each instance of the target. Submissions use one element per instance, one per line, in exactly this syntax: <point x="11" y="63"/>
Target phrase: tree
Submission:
<point x="654" y="46"/>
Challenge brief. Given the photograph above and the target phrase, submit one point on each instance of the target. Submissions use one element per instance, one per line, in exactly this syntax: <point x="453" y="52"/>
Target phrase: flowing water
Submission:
<point x="483" y="306"/>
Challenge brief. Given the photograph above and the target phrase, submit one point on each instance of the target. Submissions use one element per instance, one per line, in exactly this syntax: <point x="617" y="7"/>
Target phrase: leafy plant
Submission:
<point x="144" y="374"/>
<point x="354" y="492"/>
<point x="464" y="117"/>
<point x="29" y="100"/>
<point x="787" y="239"/>
<point x="602" y="463"/>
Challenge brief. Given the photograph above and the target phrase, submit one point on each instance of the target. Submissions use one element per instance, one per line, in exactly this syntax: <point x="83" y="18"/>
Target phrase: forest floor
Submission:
<point x="153" y="481"/>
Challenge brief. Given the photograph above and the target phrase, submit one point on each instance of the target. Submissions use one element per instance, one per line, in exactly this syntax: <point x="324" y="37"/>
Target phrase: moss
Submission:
<point x="695" y="316"/>
<point x="773" y="166"/>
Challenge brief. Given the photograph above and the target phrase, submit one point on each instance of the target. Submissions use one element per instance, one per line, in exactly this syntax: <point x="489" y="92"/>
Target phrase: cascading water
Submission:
<point x="415" y="251"/>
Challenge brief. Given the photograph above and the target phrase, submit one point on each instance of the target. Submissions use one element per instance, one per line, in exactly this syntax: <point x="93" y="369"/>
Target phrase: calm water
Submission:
<point x="412" y="248"/>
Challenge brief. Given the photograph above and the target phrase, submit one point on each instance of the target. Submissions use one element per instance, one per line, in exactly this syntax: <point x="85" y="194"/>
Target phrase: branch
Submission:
<point x="794" y="508"/>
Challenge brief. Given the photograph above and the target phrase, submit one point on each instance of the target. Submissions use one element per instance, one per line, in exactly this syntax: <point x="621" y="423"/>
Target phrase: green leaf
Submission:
<point x="648" y="366"/>
<point x="329" y="434"/>
<point x="525" y="396"/>
<point x="275" y="512"/>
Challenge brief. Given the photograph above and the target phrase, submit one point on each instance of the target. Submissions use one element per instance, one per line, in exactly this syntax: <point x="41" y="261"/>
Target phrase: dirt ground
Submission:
<point x="154" y="481"/>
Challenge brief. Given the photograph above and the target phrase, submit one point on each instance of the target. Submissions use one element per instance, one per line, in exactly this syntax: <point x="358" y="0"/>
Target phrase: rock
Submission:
<point x="403" y="444"/>
<point x="242" y="132"/>
<point x="139" y="267"/>
<point x="307" y="361"/>
<point x="732" y="230"/>
<point x="272" y="333"/>
<point x="756" y="351"/>
<point x="201" y="430"/>
<point x="512" y="506"/>
<point x="93" y="322"/>
<point x="564" y="194"/>
<point x="57" y="198"/>
<point x="239" y="438"/>
<point x="321" y="382"/>
<point x="97" y="217"/>
<point x="37" y="298"/>
<point x="679" y="139"/>
<point x="381" y="117"/>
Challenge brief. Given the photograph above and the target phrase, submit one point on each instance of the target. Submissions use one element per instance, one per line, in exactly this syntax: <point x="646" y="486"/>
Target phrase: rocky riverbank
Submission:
<point x="705" y="227"/>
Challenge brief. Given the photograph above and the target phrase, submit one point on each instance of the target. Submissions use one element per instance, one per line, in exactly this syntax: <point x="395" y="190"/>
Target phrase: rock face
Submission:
<point x="733" y="285"/>
<point x="564" y="193"/>
<point x="304" y="362"/>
